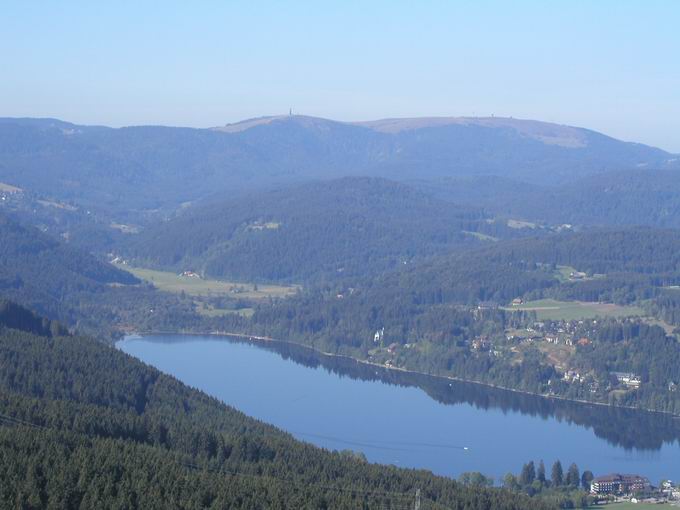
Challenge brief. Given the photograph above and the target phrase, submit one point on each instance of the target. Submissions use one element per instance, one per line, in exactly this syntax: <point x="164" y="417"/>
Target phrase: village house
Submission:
<point x="669" y="490"/>
<point x="628" y="379"/>
<point x="552" y="339"/>
<point x="517" y="301"/>
<point x="573" y="376"/>
<point x="378" y="337"/>
<point x="481" y="344"/>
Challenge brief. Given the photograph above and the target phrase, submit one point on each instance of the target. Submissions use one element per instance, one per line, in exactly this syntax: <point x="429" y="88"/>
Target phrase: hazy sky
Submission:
<point x="613" y="66"/>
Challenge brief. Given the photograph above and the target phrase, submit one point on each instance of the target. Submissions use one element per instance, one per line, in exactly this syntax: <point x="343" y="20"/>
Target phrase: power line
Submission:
<point x="18" y="421"/>
<point x="391" y="494"/>
<point x="388" y="494"/>
<point x="374" y="443"/>
<point x="401" y="498"/>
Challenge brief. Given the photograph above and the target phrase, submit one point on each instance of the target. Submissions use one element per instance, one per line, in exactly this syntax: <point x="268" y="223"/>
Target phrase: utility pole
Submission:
<point x="417" y="504"/>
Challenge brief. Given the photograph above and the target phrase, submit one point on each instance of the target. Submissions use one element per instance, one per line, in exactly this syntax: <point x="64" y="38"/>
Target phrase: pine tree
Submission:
<point x="557" y="473"/>
<point x="540" y="475"/>
<point x="573" y="476"/>
<point x="528" y="474"/>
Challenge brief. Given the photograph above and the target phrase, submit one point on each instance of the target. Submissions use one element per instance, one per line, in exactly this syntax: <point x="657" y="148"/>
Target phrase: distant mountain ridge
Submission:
<point x="158" y="168"/>
<point x="545" y="132"/>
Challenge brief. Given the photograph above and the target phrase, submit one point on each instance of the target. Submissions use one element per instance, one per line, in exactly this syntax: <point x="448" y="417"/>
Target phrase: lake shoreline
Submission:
<point x="253" y="339"/>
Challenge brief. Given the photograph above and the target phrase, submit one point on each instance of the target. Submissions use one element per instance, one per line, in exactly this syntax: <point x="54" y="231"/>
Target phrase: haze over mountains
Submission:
<point x="419" y="231"/>
<point x="248" y="200"/>
<point x="150" y="167"/>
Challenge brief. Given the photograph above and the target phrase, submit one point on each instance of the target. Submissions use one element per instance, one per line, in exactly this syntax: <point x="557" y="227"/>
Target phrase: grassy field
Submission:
<point x="480" y="236"/>
<point x="57" y="205"/>
<point x="207" y="310"/>
<point x="171" y="282"/>
<point x="8" y="188"/>
<point x="563" y="273"/>
<point x="551" y="309"/>
<point x="558" y="355"/>
<point x="632" y="506"/>
<point x="520" y="224"/>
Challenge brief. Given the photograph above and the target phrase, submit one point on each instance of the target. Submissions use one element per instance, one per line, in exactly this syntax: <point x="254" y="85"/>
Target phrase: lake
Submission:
<point x="413" y="420"/>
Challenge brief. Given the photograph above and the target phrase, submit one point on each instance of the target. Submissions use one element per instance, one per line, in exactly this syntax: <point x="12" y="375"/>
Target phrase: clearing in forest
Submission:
<point x="196" y="286"/>
<point x="552" y="309"/>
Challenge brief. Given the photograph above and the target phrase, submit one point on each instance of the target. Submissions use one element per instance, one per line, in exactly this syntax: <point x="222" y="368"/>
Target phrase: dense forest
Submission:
<point x="46" y="274"/>
<point x="342" y="228"/>
<point x="65" y="283"/>
<point x="84" y="425"/>
<point x="619" y="198"/>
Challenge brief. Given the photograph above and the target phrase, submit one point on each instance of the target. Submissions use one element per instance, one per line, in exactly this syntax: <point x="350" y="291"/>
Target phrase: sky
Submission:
<point x="608" y="65"/>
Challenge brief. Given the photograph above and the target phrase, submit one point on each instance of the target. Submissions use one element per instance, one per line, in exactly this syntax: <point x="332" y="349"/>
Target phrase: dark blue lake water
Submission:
<point x="413" y="420"/>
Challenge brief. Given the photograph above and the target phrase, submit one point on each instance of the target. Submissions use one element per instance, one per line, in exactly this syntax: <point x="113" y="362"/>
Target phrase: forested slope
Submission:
<point x="345" y="227"/>
<point x="84" y="425"/>
<point x="42" y="272"/>
<point x="66" y="284"/>
<point x="614" y="199"/>
<point x="625" y="266"/>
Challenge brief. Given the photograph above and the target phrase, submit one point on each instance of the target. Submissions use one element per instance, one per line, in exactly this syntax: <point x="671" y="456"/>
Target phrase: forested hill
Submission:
<point x="346" y="227"/>
<point x="637" y="249"/>
<point x="501" y="271"/>
<point x="623" y="266"/>
<point x="42" y="272"/>
<point x="625" y="198"/>
<point x="150" y="167"/>
<point x="83" y="425"/>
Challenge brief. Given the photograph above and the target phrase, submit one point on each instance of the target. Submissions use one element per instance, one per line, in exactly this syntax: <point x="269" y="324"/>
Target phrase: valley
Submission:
<point x="212" y="298"/>
<point x="340" y="256"/>
<point x="418" y="284"/>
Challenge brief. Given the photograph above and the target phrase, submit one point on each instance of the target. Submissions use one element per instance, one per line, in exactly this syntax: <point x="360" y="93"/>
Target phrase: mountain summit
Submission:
<point x="154" y="167"/>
